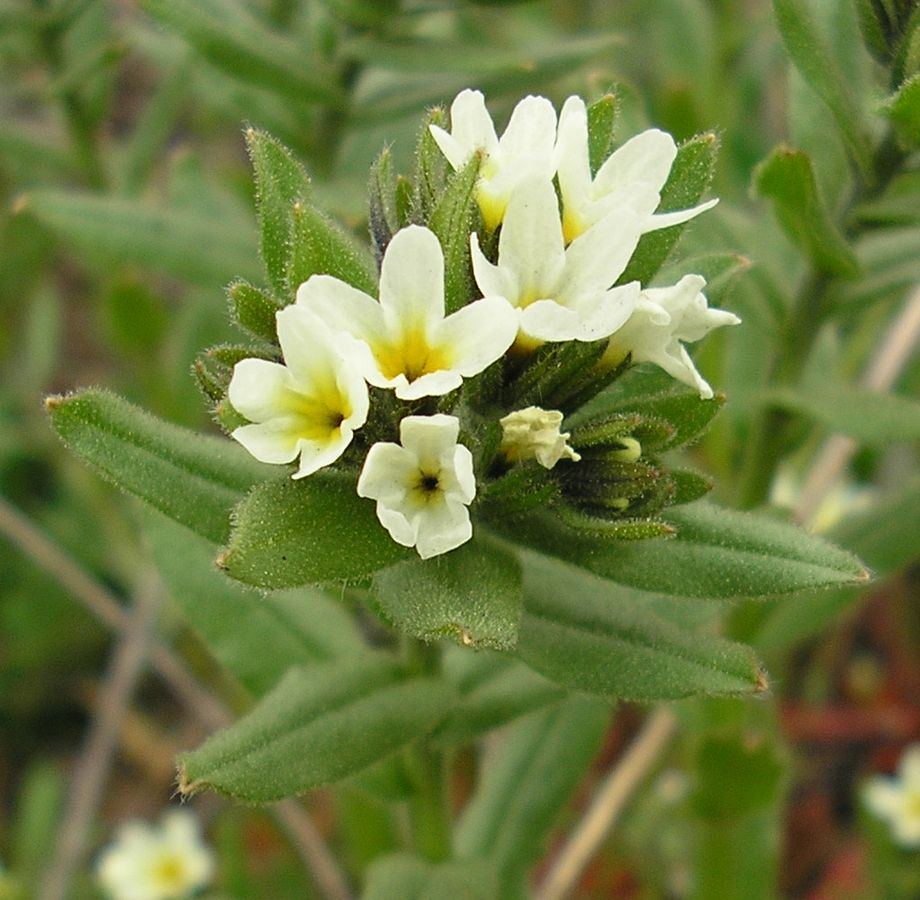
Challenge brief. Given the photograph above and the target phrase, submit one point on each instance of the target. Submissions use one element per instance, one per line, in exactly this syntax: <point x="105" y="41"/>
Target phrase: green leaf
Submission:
<point x="190" y="477"/>
<point x="320" y="246"/>
<point x="526" y="783"/>
<point x="690" y="176"/>
<point x="654" y="400"/>
<point x="110" y="230"/>
<point x="281" y="182"/>
<point x="383" y="205"/>
<point x="257" y="638"/>
<point x="402" y="876"/>
<point x="493" y="690"/>
<point x="39" y="804"/>
<point x="817" y="64"/>
<point x="233" y="40"/>
<point x="253" y="310"/>
<point x="885" y="536"/>
<point x="452" y="222"/>
<point x="581" y="632"/>
<point x="602" y="115"/>
<point x="867" y="416"/>
<point x="717" y="553"/>
<point x="430" y="169"/>
<point x="787" y="178"/>
<point x="319" y="725"/>
<point x="287" y="533"/>
<point x="472" y="595"/>
<point x="903" y="109"/>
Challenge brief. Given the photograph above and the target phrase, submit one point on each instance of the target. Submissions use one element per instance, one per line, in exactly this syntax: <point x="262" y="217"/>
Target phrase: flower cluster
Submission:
<point x="165" y="862"/>
<point x="357" y="372"/>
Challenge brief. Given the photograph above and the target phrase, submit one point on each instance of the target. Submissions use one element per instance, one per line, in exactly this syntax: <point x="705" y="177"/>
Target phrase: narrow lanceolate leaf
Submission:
<point x="787" y="178"/>
<point x="869" y="417"/>
<point x="319" y="246"/>
<point x="281" y="181"/>
<point x="187" y="246"/>
<point x="255" y="637"/>
<point x="452" y="222"/>
<point x="580" y="632"/>
<point x="229" y="37"/>
<point x="818" y="66"/>
<point x="192" y="478"/>
<point x="885" y="536"/>
<point x="690" y="176"/>
<point x="402" y="876"/>
<point x="716" y="554"/>
<point x="472" y="595"/>
<point x="903" y="109"/>
<point x="316" y="727"/>
<point x="602" y="115"/>
<point x="253" y="309"/>
<point x="651" y="400"/>
<point x="494" y="689"/>
<point x="288" y="533"/>
<point x="526" y="783"/>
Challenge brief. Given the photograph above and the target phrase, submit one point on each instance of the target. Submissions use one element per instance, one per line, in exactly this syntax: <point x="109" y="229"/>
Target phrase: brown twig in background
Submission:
<point x="887" y="363"/>
<point x="92" y="769"/>
<point x="206" y="708"/>
<point x="610" y="798"/>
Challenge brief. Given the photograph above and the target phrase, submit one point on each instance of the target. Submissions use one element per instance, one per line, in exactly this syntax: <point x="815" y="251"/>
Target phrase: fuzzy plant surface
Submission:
<point x="465" y="425"/>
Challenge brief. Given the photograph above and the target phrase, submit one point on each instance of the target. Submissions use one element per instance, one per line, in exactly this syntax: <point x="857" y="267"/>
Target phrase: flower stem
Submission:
<point x="431" y="823"/>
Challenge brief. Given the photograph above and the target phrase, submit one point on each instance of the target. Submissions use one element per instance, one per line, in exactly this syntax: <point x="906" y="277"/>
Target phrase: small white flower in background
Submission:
<point x="423" y="487"/>
<point x="149" y="862"/>
<point x="631" y="178"/>
<point x="526" y="147"/>
<point x="533" y="433"/>
<point x="663" y="318"/>
<point x="309" y="407"/>
<point x="560" y="293"/>
<point x="896" y="799"/>
<point x="405" y="341"/>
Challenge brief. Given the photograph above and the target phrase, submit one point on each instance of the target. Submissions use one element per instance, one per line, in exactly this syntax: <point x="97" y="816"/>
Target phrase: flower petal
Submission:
<point x="471" y="125"/>
<point x="342" y="307"/>
<point x="493" y="281"/>
<point x="595" y="259"/>
<point x="475" y="336"/>
<point x="259" y="389"/>
<point x="531" y="243"/>
<point x="431" y="384"/>
<point x="412" y="282"/>
<point x="444" y="527"/>
<point x="667" y="219"/>
<point x="386" y="472"/>
<point x="429" y="438"/>
<point x="637" y="171"/>
<point x="528" y="140"/>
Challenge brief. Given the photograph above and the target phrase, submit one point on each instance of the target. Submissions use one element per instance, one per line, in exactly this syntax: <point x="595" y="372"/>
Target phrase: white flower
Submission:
<point x="631" y="178"/>
<point x="561" y="293"/>
<point x="423" y="487"/>
<point x="405" y="341"/>
<point x="309" y="407"/>
<point x="525" y="148"/>
<point x="147" y="862"/>
<point x="663" y="318"/>
<point x="533" y="433"/>
<point x="897" y="799"/>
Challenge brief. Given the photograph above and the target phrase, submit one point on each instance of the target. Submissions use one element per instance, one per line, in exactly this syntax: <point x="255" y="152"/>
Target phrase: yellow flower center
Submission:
<point x="319" y="416"/>
<point x="413" y="357"/>
<point x="169" y="873"/>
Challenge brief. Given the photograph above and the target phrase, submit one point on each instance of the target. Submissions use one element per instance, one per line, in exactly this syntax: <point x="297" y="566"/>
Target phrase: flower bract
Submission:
<point x="309" y="407"/>
<point x="533" y="433"/>
<point x="405" y="341"/>
<point x="630" y="179"/>
<point x="423" y="486"/>
<point x="526" y="147"/>
<point x="897" y="799"/>
<point x="147" y="862"/>
<point x="662" y="319"/>
<point x="560" y="293"/>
